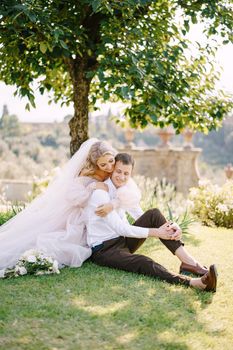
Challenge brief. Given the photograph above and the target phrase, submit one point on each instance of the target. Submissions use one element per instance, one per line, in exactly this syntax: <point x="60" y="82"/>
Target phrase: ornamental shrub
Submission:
<point x="212" y="204"/>
<point x="163" y="195"/>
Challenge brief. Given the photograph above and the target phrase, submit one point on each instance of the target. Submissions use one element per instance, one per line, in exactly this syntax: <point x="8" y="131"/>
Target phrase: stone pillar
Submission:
<point x="177" y="165"/>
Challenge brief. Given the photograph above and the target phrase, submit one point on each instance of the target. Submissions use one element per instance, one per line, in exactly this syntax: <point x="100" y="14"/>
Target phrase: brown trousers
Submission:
<point x="119" y="252"/>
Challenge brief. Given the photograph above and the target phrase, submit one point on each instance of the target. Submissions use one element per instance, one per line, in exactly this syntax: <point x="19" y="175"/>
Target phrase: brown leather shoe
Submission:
<point x="210" y="279"/>
<point x="198" y="270"/>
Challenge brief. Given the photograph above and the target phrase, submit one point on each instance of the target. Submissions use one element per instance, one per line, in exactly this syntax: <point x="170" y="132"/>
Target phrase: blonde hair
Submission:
<point x="97" y="150"/>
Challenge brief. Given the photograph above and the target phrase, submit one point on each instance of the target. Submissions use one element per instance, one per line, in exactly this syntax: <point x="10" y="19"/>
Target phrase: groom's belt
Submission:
<point x="109" y="243"/>
<point x="97" y="247"/>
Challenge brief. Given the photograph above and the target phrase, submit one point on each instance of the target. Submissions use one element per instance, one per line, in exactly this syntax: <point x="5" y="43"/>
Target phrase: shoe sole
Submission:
<point x="188" y="273"/>
<point x="213" y="271"/>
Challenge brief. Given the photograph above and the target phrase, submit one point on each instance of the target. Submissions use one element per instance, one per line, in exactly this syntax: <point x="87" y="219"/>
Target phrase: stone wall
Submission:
<point x="15" y="190"/>
<point x="177" y="165"/>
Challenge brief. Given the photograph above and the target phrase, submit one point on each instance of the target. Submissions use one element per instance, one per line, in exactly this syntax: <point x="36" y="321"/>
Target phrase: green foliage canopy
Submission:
<point x="133" y="51"/>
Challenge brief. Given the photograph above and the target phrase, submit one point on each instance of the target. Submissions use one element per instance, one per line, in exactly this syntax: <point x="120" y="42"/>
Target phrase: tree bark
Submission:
<point x="81" y="86"/>
<point x="78" y="68"/>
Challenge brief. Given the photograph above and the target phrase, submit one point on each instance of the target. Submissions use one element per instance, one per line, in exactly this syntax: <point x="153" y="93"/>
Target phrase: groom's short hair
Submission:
<point x="125" y="158"/>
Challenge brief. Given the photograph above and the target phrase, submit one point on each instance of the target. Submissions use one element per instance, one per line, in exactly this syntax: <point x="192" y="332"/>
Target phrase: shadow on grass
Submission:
<point x="99" y="308"/>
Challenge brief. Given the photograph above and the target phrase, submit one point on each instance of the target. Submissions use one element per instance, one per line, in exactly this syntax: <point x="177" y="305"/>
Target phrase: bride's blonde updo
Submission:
<point x="97" y="150"/>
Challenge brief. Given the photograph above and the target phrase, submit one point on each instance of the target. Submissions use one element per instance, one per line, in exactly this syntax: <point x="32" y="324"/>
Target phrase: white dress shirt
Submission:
<point x="115" y="224"/>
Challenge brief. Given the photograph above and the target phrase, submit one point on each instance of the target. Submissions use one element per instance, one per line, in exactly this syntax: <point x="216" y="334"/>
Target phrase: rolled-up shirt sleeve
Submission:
<point x="117" y="224"/>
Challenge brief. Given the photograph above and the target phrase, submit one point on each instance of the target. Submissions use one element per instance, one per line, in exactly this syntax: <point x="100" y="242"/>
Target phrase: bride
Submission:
<point x="52" y="222"/>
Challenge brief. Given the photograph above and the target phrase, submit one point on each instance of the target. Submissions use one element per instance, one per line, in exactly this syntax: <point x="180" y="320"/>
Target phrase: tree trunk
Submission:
<point x="81" y="87"/>
<point x="78" y="68"/>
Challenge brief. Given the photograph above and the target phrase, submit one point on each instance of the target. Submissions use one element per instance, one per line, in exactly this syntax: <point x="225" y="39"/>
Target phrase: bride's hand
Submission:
<point x="101" y="186"/>
<point x="104" y="209"/>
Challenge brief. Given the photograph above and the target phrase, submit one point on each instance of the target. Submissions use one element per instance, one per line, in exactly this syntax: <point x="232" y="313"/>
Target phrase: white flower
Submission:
<point x="2" y="273"/>
<point x="20" y="270"/>
<point x="222" y="207"/>
<point x="204" y="183"/>
<point x="55" y="267"/>
<point x="28" y="253"/>
<point x="31" y="258"/>
<point x="42" y="256"/>
<point x="194" y="191"/>
<point x="216" y="189"/>
<point x="50" y="260"/>
<point x="37" y="259"/>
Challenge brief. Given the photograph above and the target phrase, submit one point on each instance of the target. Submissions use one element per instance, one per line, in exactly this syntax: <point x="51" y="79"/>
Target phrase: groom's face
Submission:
<point x="121" y="174"/>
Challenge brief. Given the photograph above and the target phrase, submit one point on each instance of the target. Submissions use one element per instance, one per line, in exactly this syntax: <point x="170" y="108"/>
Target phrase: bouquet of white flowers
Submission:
<point x="32" y="262"/>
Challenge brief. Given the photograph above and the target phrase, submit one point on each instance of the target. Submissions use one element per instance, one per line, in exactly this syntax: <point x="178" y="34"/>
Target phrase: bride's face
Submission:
<point x="106" y="163"/>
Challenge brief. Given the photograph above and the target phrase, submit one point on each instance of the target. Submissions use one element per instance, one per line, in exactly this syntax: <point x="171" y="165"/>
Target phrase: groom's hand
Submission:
<point x="166" y="231"/>
<point x="177" y="232"/>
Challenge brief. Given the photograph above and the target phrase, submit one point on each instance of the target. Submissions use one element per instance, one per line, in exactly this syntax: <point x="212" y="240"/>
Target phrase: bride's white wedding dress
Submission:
<point x="53" y="222"/>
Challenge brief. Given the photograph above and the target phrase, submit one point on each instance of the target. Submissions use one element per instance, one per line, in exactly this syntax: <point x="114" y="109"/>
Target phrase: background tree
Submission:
<point x="9" y="124"/>
<point x="133" y="50"/>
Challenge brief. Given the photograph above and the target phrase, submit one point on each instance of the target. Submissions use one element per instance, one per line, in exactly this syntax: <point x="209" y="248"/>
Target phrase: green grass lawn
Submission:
<point x="95" y="308"/>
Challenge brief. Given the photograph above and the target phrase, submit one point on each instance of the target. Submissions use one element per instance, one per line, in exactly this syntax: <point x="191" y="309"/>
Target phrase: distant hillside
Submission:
<point x="27" y="149"/>
<point x="217" y="145"/>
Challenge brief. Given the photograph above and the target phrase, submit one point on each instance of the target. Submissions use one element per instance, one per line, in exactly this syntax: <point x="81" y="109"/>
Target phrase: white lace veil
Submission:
<point x="46" y="213"/>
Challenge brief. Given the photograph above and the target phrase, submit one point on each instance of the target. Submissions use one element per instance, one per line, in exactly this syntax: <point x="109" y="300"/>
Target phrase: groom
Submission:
<point x="114" y="241"/>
